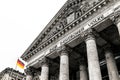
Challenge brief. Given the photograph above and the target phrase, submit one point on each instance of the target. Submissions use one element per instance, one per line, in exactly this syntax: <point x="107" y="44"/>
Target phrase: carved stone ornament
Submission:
<point x="45" y="62"/>
<point x="64" y="50"/>
<point x="115" y="17"/>
<point x="88" y="34"/>
<point x="84" y="6"/>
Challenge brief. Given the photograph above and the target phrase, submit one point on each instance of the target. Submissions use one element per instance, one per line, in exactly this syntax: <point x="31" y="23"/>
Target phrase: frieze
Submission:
<point x="85" y="34"/>
<point x="72" y="36"/>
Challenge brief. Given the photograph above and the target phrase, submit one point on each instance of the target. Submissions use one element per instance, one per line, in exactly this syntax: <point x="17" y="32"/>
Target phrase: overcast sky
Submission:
<point x="20" y="23"/>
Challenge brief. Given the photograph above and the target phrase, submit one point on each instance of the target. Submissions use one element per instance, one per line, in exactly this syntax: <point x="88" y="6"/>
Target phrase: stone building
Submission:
<point x="81" y="42"/>
<point x="11" y="74"/>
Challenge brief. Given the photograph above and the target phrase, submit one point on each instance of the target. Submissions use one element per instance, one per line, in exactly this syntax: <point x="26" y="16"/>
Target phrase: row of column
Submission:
<point x="93" y="63"/>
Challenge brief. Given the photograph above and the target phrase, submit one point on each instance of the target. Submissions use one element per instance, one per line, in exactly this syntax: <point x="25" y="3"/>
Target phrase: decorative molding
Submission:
<point x="45" y="62"/>
<point x="64" y="50"/>
<point x="88" y="34"/>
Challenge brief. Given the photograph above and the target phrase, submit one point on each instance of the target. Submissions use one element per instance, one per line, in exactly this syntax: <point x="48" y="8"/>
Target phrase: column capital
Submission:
<point x="107" y="48"/>
<point x="29" y="71"/>
<point x="115" y="17"/>
<point x="45" y="62"/>
<point x="89" y="35"/>
<point x="64" y="50"/>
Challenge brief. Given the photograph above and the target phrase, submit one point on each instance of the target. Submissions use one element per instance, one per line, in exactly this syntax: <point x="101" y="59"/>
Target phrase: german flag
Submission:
<point x="20" y="64"/>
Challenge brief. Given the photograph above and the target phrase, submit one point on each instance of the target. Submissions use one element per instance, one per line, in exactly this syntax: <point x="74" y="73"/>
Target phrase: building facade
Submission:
<point x="81" y="42"/>
<point x="11" y="74"/>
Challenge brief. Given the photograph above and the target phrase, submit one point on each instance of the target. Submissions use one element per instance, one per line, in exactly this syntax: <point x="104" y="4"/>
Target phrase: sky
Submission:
<point x="20" y="23"/>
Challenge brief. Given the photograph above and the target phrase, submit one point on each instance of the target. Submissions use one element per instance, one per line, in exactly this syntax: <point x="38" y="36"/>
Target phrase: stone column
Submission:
<point x="92" y="55"/>
<point x="45" y="70"/>
<point x="29" y="73"/>
<point x="111" y="65"/>
<point x="83" y="71"/>
<point x="64" y="64"/>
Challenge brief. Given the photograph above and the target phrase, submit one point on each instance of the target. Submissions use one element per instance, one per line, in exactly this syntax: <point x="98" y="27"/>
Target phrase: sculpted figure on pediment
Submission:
<point x="80" y="9"/>
<point x="84" y="6"/>
<point x="63" y="22"/>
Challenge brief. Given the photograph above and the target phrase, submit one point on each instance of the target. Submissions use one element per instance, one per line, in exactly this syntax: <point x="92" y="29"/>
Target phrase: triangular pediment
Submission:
<point x="71" y="11"/>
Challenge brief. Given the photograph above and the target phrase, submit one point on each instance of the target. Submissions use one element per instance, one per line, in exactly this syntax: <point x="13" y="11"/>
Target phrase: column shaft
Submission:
<point x="111" y="66"/>
<point x="44" y="72"/>
<point x="64" y="66"/>
<point x="83" y="72"/>
<point x="28" y="77"/>
<point x="93" y="61"/>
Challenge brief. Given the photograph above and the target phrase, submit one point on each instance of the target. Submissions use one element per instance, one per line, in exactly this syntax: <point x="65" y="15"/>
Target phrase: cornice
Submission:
<point x="92" y="9"/>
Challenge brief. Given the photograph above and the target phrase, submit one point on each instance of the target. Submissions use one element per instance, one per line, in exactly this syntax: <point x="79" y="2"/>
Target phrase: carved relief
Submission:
<point x="45" y="62"/>
<point x="84" y="6"/>
<point x="70" y="18"/>
<point x="78" y="13"/>
<point x="63" y="50"/>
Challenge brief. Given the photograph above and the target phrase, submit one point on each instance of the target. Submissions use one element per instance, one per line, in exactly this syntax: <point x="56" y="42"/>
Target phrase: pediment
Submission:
<point x="79" y="9"/>
<point x="62" y="18"/>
